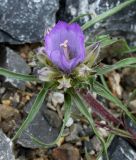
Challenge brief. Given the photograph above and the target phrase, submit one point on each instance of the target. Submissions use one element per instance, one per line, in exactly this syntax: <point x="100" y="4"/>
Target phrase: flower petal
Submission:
<point x="75" y="43"/>
<point x="55" y="57"/>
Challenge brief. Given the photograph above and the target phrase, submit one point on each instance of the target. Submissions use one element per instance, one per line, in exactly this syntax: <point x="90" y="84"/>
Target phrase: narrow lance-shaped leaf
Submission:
<point x="101" y="90"/>
<point x="34" y="110"/>
<point x="110" y="46"/>
<point x="116" y="131"/>
<point x="120" y="64"/>
<point x="98" y="108"/>
<point x="18" y="76"/>
<point x="84" y="110"/>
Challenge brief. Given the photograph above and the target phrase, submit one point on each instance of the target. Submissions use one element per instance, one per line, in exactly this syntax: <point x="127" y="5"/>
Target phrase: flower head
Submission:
<point x="64" y="46"/>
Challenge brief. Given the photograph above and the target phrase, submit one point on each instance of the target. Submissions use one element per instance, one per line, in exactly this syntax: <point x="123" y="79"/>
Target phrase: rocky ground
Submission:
<point x="20" y="33"/>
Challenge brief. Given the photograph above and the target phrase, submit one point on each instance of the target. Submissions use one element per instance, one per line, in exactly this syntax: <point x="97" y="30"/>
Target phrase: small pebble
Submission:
<point x="103" y="132"/>
<point x="92" y="152"/>
<point x="66" y="152"/>
<point x="6" y="102"/>
<point x="50" y="106"/>
<point x="132" y="105"/>
<point x="57" y="98"/>
<point x="2" y="90"/>
<point x="69" y="122"/>
<point x="28" y="97"/>
<point x="96" y="144"/>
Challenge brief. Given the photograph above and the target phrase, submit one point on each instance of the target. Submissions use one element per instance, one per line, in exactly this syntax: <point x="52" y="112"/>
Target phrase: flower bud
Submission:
<point x="46" y="74"/>
<point x="92" y="52"/>
<point x="83" y="71"/>
<point x="42" y="57"/>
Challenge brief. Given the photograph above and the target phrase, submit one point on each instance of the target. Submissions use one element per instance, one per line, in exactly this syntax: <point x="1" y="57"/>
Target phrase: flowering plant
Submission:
<point x="66" y="60"/>
<point x="66" y="64"/>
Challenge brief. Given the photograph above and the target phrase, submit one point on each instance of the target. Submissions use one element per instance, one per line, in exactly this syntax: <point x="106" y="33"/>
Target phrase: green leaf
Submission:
<point x="107" y="14"/>
<point x="18" y="76"/>
<point x="105" y="40"/>
<point x="108" y="142"/>
<point x="101" y="90"/>
<point x="67" y="114"/>
<point x="131" y="50"/>
<point x="118" y="45"/>
<point x="84" y="110"/>
<point x="115" y="47"/>
<point x="111" y="46"/>
<point x="34" y="110"/>
<point x="128" y="62"/>
<point x="104" y="82"/>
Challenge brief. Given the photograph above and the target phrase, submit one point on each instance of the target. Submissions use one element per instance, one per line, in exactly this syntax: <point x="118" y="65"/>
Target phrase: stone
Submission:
<point x="132" y="105"/>
<point x="96" y="144"/>
<point x="69" y="122"/>
<point x="121" y="24"/>
<point x="12" y="61"/>
<point x="6" y="147"/>
<point x="87" y="131"/>
<point x="74" y="133"/>
<point x="88" y="146"/>
<point x="66" y="152"/>
<point x="8" y="118"/>
<point x="102" y="130"/>
<point x="2" y="90"/>
<point x="28" y="20"/>
<point x="131" y="127"/>
<point x="52" y="118"/>
<point x="57" y="98"/>
<point x="128" y="79"/>
<point x="121" y="149"/>
<point x="41" y="127"/>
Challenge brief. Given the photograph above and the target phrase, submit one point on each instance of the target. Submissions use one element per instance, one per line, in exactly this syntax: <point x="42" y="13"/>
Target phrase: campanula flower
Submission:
<point x="64" y="46"/>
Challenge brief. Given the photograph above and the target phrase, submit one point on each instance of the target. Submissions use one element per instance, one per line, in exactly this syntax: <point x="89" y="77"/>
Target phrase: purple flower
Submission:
<point x="64" y="46"/>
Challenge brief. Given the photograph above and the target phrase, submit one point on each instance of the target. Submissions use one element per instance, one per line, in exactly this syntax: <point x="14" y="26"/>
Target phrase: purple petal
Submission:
<point x="55" y="57"/>
<point x="76" y="49"/>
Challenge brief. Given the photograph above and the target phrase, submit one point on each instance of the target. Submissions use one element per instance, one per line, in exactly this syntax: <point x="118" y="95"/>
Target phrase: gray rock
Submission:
<point x="88" y="146"/>
<point x="128" y="79"/>
<point x="11" y="60"/>
<point x="41" y="128"/>
<point x="121" y="149"/>
<point x="6" y="152"/>
<point x="75" y="131"/>
<point x="52" y="118"/>
<point x="28" y="20"/>
<point x="131" y="127"/>
<point x="96" y="143"/>
<point x="88" y="132"/>
<point x="121" y="24"/>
